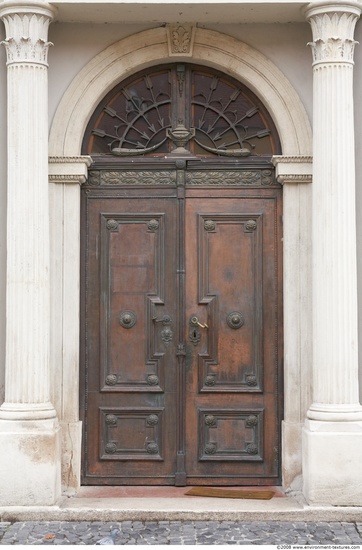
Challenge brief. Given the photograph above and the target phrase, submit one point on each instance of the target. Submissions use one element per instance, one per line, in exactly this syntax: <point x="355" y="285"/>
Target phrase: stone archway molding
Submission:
<point x="151" y="47"/>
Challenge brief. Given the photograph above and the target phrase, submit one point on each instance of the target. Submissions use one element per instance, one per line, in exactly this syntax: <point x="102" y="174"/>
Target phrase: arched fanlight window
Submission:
<point x="181" y="110"/>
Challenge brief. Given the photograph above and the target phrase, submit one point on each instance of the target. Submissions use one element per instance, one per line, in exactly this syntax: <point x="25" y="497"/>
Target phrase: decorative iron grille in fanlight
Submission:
<point x="181" y="110"/>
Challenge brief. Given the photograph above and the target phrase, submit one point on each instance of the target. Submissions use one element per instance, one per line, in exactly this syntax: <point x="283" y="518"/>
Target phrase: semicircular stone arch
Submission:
<point x="149" y="48"/>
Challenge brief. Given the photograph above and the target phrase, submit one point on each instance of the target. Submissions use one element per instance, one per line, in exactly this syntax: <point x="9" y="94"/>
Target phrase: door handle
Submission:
<point x="165" y="320"/>
<point x="196" y="323"/>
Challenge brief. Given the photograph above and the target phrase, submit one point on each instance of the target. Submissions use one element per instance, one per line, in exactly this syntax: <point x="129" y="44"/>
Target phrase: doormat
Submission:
<point x="229" y="493"/>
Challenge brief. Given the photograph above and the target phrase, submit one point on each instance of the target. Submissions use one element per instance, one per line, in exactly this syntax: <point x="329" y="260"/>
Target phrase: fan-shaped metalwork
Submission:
<point x="181" y="110"/>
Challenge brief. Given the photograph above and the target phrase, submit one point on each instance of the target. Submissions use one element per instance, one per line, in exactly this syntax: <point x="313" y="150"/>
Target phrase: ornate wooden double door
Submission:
<point x="181" y="321"/>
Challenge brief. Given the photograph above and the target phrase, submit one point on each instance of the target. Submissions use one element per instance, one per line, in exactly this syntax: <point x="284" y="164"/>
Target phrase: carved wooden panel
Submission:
<point x="230" y="282"/>
<point x="132" y="284"/>
<point x="242" y="178"/>
<point x="132" y="177"/>
<point x="131" y="434"/>
<point x="230" y="434"/>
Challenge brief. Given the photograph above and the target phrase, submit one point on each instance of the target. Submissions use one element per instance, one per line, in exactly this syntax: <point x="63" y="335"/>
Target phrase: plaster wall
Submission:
<point x="76" y="44"/>
<point x="286" y="46"/>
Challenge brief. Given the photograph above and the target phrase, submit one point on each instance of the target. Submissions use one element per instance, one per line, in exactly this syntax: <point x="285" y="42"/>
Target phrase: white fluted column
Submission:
<point x="28" y="425"/>
<point x="333" y="429"/>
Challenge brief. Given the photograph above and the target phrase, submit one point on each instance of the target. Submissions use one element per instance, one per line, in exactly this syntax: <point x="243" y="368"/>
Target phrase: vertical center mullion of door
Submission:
<point x="180" y="475"/>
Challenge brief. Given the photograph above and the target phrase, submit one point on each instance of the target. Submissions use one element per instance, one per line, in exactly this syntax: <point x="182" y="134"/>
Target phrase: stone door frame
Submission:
<point x="68" y="170"/>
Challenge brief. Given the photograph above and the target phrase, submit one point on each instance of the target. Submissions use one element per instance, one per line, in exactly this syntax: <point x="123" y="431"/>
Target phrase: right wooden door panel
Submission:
<point x="232" y="277"/>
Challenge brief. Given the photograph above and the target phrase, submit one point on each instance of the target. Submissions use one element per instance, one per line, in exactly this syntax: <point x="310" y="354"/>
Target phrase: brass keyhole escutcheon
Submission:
<point x="235" y="319"/>
<point x="195" y="336"/>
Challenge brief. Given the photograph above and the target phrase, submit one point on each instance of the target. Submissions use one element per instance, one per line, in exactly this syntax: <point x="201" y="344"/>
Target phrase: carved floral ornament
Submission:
<point x="152" y="420"/>
<point x="333" y="34"/>
<point x="152" y="448"/>
<point x="110" y="448"/>
<point x="152" y="380"/>
<point x="27" y="36"/>
<point x="181" y="38"/>
<point x="111" y="420"/>
<point x="332" y="49"/>
<point x="257" y="177"/>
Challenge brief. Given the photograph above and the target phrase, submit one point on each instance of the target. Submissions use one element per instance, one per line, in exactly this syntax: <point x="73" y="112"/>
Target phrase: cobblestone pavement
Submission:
<point x="183" y="532"/>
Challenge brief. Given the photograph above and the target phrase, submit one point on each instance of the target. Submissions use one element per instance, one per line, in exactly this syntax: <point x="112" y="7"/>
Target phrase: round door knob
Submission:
<point x="127" y="319"/>
<point x="235" y="319"/>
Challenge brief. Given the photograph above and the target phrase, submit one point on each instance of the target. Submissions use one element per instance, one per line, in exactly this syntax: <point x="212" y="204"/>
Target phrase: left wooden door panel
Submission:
<point x="130" y="330"/>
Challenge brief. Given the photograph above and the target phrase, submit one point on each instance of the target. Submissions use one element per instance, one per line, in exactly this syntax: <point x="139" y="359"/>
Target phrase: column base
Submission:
<point x="335" y="412"/>
<point x="332" y="456"/>
<point x="27" y="411"/>
<point x="29" y="462"/>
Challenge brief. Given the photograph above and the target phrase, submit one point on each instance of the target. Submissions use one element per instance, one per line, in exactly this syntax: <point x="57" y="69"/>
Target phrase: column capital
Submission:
<point x="333" y="26"/>
<point x="26" y="24"/>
